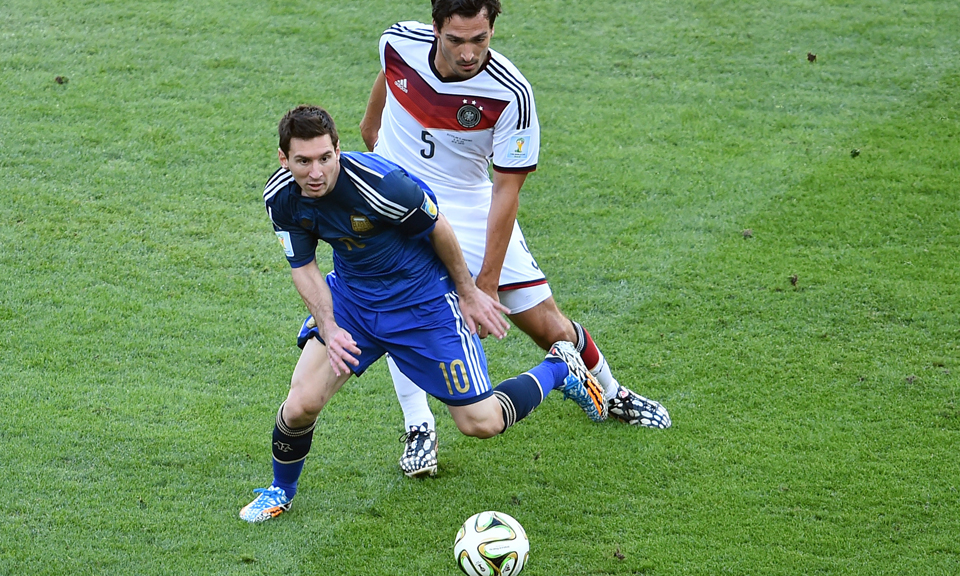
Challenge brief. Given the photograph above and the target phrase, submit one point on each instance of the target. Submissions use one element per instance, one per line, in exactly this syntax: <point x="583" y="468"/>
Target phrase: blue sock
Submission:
<point x="286" y="475"/>
<point x="290" y="449"/>
<point x="519" y="396"/>
<point x="554" y="371"/>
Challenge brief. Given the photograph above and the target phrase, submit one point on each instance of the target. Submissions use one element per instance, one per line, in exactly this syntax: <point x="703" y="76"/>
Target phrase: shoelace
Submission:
<point x="271" y="493"/>
<point x="618" y="402"/>
<point x="407" y="436"/>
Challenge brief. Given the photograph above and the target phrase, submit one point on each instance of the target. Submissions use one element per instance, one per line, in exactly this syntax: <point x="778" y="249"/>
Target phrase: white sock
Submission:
<point x="605" y="377"/>
<point x="413" y="400"/>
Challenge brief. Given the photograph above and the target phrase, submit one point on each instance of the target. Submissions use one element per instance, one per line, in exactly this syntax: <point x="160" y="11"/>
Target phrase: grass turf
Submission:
<point x="699" y="206"/>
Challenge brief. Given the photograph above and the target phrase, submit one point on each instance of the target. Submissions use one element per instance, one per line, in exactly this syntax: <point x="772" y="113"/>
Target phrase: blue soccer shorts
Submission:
<point x="430" y="343"/>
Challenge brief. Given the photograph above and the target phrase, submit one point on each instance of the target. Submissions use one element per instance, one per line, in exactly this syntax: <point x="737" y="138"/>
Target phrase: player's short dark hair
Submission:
<point x="443" y="10"/>
<point x="306" y="122"/>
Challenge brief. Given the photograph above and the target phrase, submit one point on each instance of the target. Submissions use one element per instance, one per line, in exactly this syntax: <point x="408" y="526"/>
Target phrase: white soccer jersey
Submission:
<point x="448" y="133"/>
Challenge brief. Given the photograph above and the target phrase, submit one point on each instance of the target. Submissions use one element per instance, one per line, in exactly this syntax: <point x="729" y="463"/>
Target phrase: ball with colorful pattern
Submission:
<point x="491" y="544"/>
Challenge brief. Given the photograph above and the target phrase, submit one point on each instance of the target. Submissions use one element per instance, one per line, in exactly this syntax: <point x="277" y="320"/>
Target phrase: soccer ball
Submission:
<point x="491" y="544"/>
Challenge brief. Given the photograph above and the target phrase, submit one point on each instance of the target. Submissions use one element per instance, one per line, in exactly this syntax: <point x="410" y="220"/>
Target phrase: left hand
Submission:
<point x="491" y="289"/>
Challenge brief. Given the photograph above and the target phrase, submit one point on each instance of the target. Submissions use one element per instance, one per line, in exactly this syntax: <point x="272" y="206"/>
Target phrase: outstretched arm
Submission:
<point x="312" y="287"/>
<point x="370" y="125"/>
<point x="478" y="308"/>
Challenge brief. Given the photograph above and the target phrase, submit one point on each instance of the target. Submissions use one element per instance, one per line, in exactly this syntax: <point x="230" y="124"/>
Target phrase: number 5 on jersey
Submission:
<point x="431" y="145"/>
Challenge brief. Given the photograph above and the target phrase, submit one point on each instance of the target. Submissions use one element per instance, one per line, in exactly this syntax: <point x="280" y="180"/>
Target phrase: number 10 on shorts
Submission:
<point x="455" y="374"/>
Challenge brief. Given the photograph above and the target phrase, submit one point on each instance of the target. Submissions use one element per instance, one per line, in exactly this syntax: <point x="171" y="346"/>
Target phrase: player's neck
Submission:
<point x="439" y="65"/>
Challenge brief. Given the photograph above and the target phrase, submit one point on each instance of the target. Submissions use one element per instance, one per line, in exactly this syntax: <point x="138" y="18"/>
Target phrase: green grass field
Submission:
<point x="768" y="245"/>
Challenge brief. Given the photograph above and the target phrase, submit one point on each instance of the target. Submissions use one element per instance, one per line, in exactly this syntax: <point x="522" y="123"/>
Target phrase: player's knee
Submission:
<point x="545" y="324"/>
<point x="483" y="419"/>
<point x="481" y="426"/>
<point x="298" y="415"/>
<point x="301" y="409"/>
<point x="480" y="429"/>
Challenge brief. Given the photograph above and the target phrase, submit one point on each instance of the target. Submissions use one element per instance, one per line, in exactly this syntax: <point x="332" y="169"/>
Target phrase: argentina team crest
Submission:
<point x="429" y="207"/>
<point x="469" y="115"/>
<point x="360" y="224"/>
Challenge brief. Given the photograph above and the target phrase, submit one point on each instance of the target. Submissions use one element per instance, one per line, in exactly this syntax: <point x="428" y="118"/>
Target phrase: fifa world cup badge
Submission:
<point x="285" y="242"/>
<point x="518" y="147"/>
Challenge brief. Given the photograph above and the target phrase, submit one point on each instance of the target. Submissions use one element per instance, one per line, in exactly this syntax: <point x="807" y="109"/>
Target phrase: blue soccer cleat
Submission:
<point x="271" y="503"/>
<point x="580" y="385"/>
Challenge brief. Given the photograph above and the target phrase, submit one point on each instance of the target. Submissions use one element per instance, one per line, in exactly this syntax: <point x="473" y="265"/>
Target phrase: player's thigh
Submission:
<point x="519" y="267"/>
<point x="525" y="296"/>
<point x="313" y="384"/>
<point x="482" y="419"/>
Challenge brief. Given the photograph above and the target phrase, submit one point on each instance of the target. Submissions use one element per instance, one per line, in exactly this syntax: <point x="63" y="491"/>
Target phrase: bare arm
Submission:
<point x="370" y="125"/>
<point x="503" y="213"/>
<point x="478" y="308"/>
<point x="316" y="295"/>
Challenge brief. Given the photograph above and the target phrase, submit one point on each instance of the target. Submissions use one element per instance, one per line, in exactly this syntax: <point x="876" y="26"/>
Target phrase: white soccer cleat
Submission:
<point x="420" y="454"/>
<point x="632" y="408"/>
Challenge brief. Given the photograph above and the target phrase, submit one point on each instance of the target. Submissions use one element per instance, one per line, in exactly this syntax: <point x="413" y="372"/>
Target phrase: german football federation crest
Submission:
<point x="360" y="224"/>
<point x="468" y="115"/>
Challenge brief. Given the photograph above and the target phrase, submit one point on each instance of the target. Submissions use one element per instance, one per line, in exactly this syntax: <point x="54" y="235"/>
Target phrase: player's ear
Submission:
<point x="283" y="158"/>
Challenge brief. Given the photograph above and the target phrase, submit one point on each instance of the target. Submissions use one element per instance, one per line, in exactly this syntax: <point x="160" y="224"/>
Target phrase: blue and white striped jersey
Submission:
<point x="377" y="219"/>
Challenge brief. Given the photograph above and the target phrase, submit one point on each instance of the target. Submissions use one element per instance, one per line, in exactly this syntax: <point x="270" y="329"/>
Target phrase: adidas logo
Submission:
<point x="402" y="84"/>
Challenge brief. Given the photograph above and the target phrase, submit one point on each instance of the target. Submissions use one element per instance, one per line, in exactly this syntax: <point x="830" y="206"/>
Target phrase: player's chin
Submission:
<point x="467" y="72"/>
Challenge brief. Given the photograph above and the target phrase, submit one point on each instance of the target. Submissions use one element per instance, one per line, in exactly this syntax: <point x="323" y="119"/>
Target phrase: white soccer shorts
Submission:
<point x="522" y="284"/>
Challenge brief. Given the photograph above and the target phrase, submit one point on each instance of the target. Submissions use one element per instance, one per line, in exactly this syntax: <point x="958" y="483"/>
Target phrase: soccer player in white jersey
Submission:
<point x="447" y="107"/>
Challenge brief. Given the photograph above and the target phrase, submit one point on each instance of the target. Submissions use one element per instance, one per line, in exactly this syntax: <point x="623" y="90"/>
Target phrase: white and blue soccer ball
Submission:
<point x="491" y="544"/>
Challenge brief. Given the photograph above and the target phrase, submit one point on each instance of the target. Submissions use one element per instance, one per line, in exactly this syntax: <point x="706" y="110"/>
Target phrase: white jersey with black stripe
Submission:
<point x="448" y="133"/>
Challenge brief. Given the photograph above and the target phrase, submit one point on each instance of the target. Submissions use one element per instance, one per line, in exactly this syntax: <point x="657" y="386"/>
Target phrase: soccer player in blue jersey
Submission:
<point x="399" y="285"/>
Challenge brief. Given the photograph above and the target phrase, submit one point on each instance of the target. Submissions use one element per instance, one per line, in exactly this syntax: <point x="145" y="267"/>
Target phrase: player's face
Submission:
<point x="463" y="45"/>
<point x="314" y="163"/>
